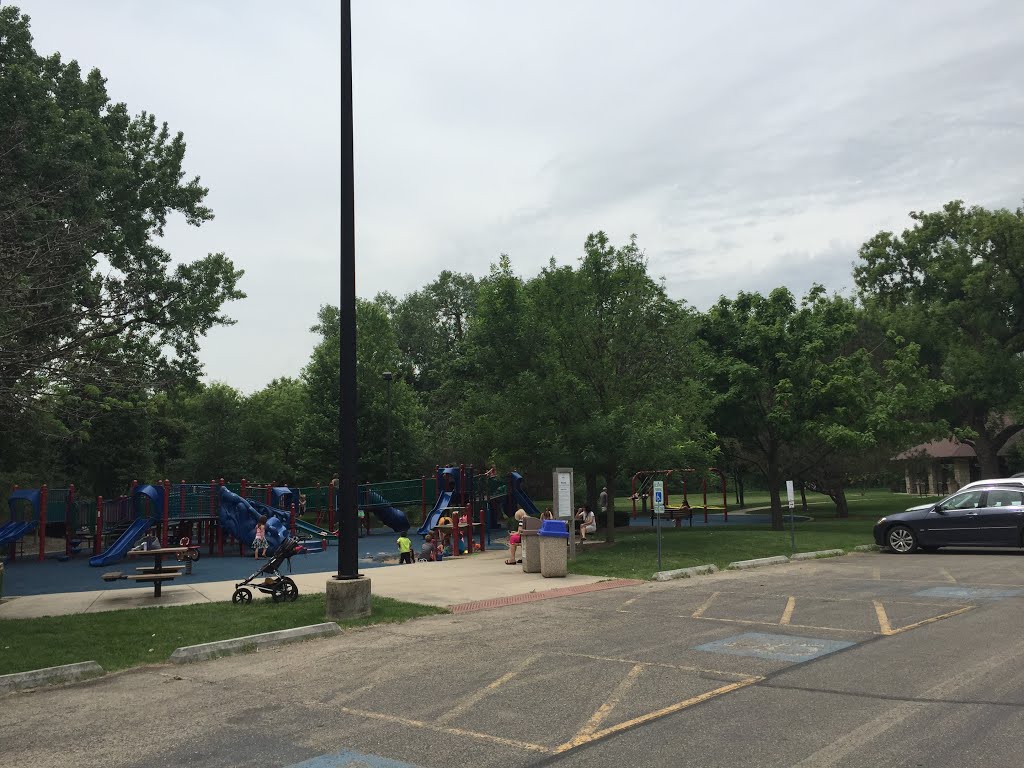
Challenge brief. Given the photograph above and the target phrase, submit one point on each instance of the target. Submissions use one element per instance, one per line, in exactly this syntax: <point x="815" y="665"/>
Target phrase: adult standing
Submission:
<point x="602" y="501"/>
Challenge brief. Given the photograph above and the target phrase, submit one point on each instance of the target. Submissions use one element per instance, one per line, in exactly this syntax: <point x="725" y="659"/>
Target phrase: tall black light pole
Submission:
<point x="348" y="530"/>
<point x="388" y="376"/>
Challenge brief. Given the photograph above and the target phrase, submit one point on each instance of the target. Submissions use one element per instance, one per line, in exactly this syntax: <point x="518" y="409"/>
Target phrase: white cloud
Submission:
<point x="747" y="144"/>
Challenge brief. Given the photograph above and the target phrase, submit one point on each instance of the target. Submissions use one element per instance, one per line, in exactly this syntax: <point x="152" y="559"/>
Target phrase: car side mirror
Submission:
<point x="938" y="510"/>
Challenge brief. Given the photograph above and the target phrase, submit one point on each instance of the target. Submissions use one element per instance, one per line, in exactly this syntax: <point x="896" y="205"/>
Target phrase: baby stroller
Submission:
<point x="274" y="584"/>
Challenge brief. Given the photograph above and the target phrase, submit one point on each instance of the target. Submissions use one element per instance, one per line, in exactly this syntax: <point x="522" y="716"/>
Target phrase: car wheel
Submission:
<point x="901" y="540"/>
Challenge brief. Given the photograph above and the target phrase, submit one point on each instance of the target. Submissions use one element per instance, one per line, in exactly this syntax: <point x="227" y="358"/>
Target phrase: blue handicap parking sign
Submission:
<point x="657" y="496"/>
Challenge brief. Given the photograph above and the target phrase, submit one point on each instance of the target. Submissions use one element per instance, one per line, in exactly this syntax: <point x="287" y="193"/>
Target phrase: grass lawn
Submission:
<point x="634" y="555"/>
<point x="120" y="639"/>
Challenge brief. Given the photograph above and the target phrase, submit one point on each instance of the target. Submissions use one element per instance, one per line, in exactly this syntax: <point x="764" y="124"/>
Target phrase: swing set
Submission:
<point x="642" y="485"/>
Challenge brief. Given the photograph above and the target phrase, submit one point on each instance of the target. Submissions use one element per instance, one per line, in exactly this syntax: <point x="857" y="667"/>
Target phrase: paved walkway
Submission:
<point x="482" y="576"/>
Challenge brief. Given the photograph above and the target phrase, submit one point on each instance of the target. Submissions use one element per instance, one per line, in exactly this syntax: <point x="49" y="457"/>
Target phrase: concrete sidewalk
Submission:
<point x="482" y="576"/>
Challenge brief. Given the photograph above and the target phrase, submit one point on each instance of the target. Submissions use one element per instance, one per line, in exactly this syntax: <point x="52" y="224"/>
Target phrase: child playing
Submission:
<point x="404" y="549"/>
<point x="427" y="548"/>
<point x="259" y="543"/>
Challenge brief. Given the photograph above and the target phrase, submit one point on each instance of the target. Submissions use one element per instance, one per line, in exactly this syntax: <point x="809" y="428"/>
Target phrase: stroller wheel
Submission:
<point x="278" y="594"/>
<point x="289" y="589"/>
<point x="242" y="596"/>
<point x="193" y="555"/>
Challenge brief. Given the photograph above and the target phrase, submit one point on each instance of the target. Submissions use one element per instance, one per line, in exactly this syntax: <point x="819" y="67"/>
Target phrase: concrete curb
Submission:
<point x="818" y="555"/>
<point x="742" y="565"/>
<point x="68" y="673"/>
<point x="685" y="573"/>
<point x="250" y="642"/>
<point x="867" y="548"/>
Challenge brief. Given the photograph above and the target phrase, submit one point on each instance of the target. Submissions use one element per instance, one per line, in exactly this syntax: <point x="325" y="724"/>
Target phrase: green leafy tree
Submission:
<point x="580" y="366"/>
<point x="271" y="422"/>
<point x="377" y="352"/>
<point x="215" y="446"/>
<point x="798" y="392"/>
<point x="87" y="296"/>
<point x="954" y="283"/>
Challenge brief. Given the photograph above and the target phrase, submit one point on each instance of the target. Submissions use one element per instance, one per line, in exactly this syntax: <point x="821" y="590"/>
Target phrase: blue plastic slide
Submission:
<point x="239" y="516"/>
<point x="392" y="517"/>
<point x="124" y="542"/>
<point x="521" y="498"/>
<point x="435" y="514"/>
<point x="11" y="532"/>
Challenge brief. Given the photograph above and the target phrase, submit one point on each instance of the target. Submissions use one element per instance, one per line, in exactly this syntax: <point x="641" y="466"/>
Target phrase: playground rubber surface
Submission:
<point x="867" y="660"/>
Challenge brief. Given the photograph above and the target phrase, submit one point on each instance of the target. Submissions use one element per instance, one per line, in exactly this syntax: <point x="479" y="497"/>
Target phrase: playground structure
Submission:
<point x="43" y="512"/>
<point x="217" y="515"/>
<point x="641" y="485"/>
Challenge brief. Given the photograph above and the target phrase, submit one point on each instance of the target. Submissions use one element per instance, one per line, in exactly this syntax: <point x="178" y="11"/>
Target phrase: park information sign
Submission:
<point x="562" y="493"/>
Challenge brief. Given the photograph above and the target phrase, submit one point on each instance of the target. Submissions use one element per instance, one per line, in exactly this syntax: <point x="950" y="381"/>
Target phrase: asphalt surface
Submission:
<point x="866" y="660"/>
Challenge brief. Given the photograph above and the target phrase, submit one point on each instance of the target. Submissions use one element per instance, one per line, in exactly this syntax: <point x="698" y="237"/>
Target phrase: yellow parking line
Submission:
<point x="441" y="729"/>
<point x="580" y="740"/>
<point x="883" y="618"/>
<point x="876" y="574"/>
<point x="660" y="664"/>
<point x="948" y="575"/>
<point x="932" y="619"/>
<point x="787" y="614"/>
<point x="473" y="699"/>
<point x="704" y="606"/>
<point x="775" y="624"/>
<point x="605" y="709"/>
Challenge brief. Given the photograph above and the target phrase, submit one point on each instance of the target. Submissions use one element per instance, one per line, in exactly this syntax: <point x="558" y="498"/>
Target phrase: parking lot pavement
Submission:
<point x="864" y="660"/>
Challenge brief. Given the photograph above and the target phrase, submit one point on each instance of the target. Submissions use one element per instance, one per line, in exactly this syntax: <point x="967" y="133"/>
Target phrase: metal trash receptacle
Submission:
<point x="554" y="553"/>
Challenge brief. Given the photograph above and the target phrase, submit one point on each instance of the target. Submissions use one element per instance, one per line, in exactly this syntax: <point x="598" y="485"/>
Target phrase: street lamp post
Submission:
<point x="388" y="376"/>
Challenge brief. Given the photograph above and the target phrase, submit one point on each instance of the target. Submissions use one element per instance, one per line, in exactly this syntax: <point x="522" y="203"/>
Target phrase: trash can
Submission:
<point x="554" y="556"/>
<point x="531" y="545"/>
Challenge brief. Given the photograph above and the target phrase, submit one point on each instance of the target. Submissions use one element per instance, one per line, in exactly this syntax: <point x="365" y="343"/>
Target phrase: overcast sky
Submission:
<point x="747" y="144"/>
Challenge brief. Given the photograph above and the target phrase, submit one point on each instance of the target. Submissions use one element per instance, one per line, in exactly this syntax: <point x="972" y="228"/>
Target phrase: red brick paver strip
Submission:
<point x="529" y="597"/>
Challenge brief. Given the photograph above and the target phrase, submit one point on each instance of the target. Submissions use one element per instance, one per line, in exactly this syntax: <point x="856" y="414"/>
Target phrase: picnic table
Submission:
<point x="155" y="574"/>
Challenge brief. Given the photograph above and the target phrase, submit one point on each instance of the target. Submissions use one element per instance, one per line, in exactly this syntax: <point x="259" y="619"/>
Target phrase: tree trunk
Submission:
<point x="739" y="484"/>
<point x="842" y="507"/>
<point x="803" y="496"/>
<point x="591" y="499"/>
<point x="988" y="457"/>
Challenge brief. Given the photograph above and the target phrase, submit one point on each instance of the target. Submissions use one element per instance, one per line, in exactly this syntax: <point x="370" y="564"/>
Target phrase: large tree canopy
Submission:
<point x="954" y="283"/>
<point x="797" y="391"/>
<point x="87" y="295"/>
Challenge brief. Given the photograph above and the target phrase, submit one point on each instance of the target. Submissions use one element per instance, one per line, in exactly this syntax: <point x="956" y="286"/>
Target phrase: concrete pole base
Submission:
<point x="348" y="599"/>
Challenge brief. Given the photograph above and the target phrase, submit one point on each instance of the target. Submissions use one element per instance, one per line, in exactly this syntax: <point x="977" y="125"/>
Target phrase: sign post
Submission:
<point x="562" y="492"/>
<point x="792" y="517"/>
<point x="658" y="499"/>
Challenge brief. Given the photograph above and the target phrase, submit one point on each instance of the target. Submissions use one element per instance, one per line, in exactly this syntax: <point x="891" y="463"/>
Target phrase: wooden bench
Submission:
<point x="154" y="577"/>
<point x="173" y="569"/>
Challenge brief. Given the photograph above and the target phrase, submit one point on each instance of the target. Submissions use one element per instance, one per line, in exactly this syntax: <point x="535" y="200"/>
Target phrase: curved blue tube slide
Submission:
<point x="392" y="517"/>
<point x="124" y="542"/>
<point x="239" y="516"/>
